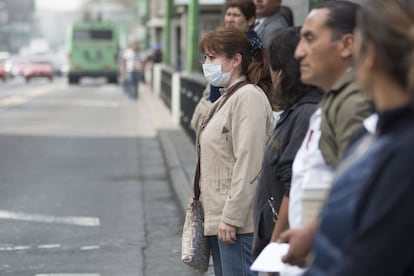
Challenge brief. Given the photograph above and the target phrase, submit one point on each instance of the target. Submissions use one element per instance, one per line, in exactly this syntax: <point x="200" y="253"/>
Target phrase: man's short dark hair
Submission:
<point x="341" y="18"/>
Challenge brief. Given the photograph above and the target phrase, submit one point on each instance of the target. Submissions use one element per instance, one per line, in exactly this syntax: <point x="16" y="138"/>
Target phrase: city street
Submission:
<point x="84" y="187"/>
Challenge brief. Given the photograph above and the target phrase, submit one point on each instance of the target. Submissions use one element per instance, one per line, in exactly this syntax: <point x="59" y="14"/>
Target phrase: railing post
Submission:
<point x="156" y="79"/>
<point x="175" y="98"/>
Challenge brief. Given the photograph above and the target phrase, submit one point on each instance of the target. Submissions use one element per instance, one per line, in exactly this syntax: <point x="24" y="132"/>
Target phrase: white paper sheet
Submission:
<point x="270" y="259"/>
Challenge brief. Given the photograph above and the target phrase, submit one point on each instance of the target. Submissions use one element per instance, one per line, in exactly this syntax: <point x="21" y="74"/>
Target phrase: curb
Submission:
<point x="179" y="155"/>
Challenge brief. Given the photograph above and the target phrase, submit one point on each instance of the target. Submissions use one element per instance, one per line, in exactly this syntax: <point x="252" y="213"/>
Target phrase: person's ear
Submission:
<point x="237" y="60"/>
<point x="347" y="45"/>
<point x="370" y="56"/>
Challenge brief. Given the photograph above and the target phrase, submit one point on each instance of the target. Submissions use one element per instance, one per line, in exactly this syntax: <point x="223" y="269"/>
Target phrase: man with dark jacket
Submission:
<point x="269" y="19"/>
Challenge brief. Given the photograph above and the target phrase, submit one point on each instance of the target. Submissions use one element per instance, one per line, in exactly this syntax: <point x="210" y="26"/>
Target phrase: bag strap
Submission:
<point x="213" y="110"/>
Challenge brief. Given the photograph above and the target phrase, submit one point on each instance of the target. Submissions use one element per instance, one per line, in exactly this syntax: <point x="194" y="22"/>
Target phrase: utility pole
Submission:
<point x="193" y="23"/>
<point x="167" y="31"/>
<point x="142" y="12"/>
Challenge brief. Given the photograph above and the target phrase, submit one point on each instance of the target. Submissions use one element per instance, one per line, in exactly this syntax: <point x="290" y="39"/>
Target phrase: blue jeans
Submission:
<point x="131" y="84"/>
<point x="232" y="259"/>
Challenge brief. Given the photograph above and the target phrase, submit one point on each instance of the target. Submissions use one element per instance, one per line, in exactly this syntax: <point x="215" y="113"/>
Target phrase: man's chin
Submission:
<point x="305" y="79"/>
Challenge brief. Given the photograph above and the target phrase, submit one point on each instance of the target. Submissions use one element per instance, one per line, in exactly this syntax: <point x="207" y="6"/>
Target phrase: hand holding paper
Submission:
<point x="270" y="259"/>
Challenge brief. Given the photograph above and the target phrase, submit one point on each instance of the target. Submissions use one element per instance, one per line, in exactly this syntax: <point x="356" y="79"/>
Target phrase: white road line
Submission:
<point x="48" y="246"/>
<point x="69" y="274"/>
<point x="90" y="247"/>
<point x="14" y="248"/>
<point x="80" y="221"/>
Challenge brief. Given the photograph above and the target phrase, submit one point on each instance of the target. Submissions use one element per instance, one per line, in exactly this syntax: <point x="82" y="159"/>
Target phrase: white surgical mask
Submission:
<point x="214" y="75"/>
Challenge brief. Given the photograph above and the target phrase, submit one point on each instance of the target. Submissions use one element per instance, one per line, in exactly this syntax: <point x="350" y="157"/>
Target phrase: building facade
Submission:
<point x="16" y="24"/>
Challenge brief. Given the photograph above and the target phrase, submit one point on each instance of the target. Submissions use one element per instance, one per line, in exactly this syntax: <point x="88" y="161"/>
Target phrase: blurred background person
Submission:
<point x="269" y="19"/>
<point x="132" y="68"/>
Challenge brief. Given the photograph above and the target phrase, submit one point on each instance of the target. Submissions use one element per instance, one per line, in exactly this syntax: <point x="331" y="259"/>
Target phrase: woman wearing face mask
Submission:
<point x="298" y="101"/>
<point x="230" y="147"/>
<point x="240" y="14"/>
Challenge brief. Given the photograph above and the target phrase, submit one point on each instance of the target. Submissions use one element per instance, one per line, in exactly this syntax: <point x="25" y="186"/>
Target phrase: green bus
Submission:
<point x="93" y="49"/>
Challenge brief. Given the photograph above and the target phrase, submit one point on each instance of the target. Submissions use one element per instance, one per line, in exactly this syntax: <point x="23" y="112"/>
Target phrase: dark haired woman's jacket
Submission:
<point x="276" y="174"/>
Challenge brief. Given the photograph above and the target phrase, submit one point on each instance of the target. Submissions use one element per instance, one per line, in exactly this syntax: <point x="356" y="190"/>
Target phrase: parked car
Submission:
<point x="4" y="56"/>
<point x="38" y="68"/>
<point x="3" y="73"/>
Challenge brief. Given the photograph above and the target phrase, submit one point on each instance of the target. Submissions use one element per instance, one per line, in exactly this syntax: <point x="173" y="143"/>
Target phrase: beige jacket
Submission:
<point x="231" y="150"/>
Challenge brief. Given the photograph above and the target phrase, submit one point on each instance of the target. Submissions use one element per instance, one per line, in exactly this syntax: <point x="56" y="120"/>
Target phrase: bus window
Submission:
<point x="79" y="35"/>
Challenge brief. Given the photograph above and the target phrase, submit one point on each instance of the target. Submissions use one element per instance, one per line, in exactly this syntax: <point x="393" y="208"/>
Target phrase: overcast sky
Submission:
<point x="62" y="5"/>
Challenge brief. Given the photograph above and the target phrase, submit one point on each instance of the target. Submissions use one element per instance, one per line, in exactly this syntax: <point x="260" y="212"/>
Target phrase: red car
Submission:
<point x="38" y="68"/>
<point x="3" y="73"/>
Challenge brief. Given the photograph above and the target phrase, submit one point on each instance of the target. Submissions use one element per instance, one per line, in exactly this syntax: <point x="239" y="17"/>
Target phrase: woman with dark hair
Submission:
<point x="298" y="101"/>
<point x="230" y="145"/>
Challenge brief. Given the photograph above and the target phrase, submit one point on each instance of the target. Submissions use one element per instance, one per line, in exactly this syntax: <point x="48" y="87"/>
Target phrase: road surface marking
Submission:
<point x="69" y="274"/>
<point x="22" y="98"/>
<point x="14" y="248"/>
<point x="48" y="246"/>
<point x="90" y="247"/>
<point x="80" y="221"/>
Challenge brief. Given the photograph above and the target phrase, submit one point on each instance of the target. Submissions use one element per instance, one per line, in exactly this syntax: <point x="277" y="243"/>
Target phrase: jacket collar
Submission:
<point x="313" y="96"/>
<point x="344" y="80"/>
<point x="224" y="91"/>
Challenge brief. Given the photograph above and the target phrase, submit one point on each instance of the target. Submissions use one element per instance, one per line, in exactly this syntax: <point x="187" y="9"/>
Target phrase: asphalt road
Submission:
<point x="83" y="185"/>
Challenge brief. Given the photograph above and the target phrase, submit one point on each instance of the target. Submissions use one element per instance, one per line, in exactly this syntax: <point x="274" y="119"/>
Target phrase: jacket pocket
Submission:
<point x="223" y="186"/>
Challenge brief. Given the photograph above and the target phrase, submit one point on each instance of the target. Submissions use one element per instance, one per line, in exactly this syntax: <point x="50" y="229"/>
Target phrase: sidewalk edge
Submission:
<point x="179" y="181"/>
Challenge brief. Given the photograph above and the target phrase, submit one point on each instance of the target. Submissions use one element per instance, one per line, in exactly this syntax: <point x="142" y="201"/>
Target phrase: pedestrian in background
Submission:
<point x="269" y="19"/>
<point x="372" y="197"/>
<point x="132" y="68"/>
<point x="230" y="149"/>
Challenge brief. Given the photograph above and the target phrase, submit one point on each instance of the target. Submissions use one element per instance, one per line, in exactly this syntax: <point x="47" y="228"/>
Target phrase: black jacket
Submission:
<point x="276" y="174"/>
